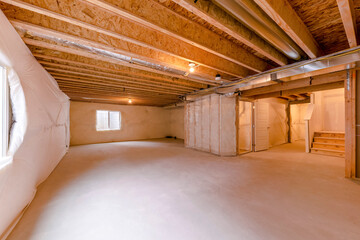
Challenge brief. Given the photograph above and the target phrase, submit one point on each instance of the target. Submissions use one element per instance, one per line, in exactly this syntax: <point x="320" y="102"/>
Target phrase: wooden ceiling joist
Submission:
<point x="75" y="85"/>
<point x="95" y="81"/>
<point x="153" y="15"/>
<point x="87" y="54"/>
<point x="286" y="17"/>
<point x="140" y="81"/>
<point x="347" y="12"/>
<point x="206" y="71"/>
<point x="125" y="85"/>
<point x="122" y="71"/>
<point x="222" y="20"/>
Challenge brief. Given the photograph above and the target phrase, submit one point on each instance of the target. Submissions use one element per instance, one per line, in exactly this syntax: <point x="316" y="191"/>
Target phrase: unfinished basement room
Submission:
<point x="180" y="120"/>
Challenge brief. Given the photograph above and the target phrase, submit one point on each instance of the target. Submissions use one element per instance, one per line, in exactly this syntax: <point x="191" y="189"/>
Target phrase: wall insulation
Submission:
<point x="137" y="123"/>
<point x="39" y="135"/>
<point x="210" y="124"/>
<point x="297" y="112"/>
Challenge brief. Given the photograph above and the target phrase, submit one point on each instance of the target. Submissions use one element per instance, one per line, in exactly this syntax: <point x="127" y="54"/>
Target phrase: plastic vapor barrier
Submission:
<point x="39" y="135"/>
<point x="210" y="124"/>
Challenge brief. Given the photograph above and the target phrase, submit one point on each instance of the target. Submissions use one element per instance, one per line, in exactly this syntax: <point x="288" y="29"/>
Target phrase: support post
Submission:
<point x="350" y="123"/>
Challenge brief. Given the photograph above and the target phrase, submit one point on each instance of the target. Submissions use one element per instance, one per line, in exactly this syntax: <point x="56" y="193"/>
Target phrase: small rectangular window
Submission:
<point x="5" y="109"/>
<point x="108" y="120"/>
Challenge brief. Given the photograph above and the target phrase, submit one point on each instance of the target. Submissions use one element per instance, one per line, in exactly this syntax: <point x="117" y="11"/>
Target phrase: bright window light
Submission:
<point x="5" y="111"/>
<point x="108" y="120"/>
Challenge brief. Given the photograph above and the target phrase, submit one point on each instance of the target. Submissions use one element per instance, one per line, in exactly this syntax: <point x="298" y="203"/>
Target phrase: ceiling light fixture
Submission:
<point x="192" y="67"/>
<point x="218" y="77"/>
<point x="130" y="101"/>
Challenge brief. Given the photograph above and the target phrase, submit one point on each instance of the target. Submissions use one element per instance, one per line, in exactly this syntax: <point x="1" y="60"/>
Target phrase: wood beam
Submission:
<point x="286" y="17"/>
<point x="350" y="124"/>
<point x="210" y="64"/>
<point x="296" y="84"/>
<point x="216" y="16"/>
<point x="87" y="54"/>
<point x="311" y="88"/>
<point x="121" y="71"/>
<point x="153" y="15"/>
<point x="347" y="12"/>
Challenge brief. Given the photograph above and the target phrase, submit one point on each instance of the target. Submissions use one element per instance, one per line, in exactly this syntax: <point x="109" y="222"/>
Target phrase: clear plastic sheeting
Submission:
<point x="39" y="135"/>
<point x="210" y="124"/>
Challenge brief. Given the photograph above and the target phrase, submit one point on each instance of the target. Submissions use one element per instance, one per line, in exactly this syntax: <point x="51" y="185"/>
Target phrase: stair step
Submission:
<point x="328" y="152"/>
<point x="329" y="134"/>
<point x="329" y="140"/>
<point x="326" y="146"/>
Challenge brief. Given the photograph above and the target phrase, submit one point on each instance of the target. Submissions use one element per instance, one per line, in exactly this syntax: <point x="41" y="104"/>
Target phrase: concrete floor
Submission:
<point x="159" y="190"/>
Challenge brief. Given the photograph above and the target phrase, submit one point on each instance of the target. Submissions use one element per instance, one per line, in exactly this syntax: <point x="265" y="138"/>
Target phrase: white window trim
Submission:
<point x="5" y="108"/>
<point x="114" y="129"/>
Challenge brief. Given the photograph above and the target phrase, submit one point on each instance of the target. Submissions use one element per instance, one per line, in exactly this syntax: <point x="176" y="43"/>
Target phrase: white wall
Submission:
<point x="137" y="122"/>
<point x="177" y="122"/>
<point x="210" y="124"/>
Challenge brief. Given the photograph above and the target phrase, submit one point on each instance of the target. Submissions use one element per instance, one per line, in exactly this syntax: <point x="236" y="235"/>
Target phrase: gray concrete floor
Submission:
<point x="160" y="190"/>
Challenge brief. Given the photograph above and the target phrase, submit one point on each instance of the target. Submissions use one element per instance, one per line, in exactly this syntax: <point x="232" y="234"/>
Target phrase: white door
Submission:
<point x="261" y="126"/>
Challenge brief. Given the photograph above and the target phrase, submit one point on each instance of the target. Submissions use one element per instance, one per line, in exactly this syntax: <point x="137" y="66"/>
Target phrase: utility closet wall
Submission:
<point x="297" y="113"/>
<point x="137" y="123"/>
<point x="210" y="125"/>
<point x="277" y="121"/>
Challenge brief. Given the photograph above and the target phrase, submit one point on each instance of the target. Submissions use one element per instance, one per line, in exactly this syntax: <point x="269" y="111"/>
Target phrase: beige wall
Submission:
<point x="177" y="122"/>
<point x="137" y="122"/>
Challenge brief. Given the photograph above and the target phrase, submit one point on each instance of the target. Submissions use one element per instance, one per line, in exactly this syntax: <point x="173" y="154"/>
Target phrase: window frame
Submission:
<point x="108" y="121"/>
<point x="5" y="112"/>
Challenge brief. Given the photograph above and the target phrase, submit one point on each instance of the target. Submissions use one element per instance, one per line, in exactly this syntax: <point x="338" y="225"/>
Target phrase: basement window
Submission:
<point x="108" y="120"/>
<point x="5" y="113"/>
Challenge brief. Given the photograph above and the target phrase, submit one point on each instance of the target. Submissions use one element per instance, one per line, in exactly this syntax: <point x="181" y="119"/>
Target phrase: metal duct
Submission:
<point x="247" y="12"/>
<point x="344" y="58"/>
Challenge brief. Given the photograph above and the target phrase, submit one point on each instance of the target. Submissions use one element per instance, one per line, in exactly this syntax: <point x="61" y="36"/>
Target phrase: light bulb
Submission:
<point x="130" y="101"/>
<point x="192" y="69"/>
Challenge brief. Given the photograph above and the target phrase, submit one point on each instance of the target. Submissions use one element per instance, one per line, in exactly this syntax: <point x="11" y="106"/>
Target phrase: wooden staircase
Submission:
<point x="329" y="143"/>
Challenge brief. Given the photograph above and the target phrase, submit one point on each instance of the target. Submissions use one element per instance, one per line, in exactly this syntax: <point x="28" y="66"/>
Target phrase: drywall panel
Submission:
<point x="177" y="122"/>
<point x="137" y="122"/>
<point x="205" y="123"/>
<point x="245" y="126"/>
<point x="297" y="113"/>
<point x="228" y="126"/>
<point x="215" y="124"/>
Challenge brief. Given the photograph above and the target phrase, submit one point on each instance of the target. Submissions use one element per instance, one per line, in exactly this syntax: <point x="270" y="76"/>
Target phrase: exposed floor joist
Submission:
<point x="153" y="15"/>
<point x="219" y="18"/>
<point x="347" y="12"/>
<point x="285" y="16"/>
